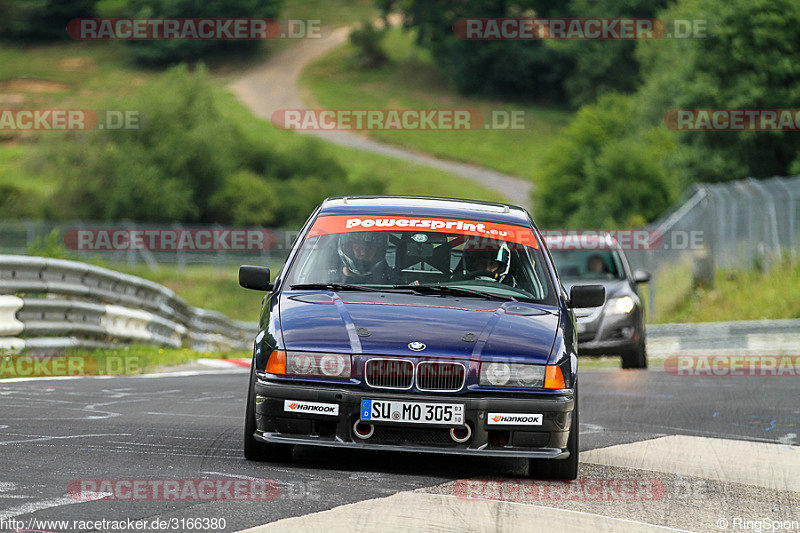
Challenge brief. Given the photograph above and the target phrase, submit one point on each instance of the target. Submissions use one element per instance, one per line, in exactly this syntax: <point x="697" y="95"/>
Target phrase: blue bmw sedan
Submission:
<point x="417" y="324"/>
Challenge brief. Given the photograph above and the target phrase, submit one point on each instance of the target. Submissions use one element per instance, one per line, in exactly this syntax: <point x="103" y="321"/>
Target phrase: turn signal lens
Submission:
<point x="276" y="364"/>
<point x="553" y="378"/>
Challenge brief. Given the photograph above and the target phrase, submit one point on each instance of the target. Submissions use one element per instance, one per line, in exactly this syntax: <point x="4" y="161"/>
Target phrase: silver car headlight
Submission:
<point x="620" y="306"/>
<point x="497" y="374"/>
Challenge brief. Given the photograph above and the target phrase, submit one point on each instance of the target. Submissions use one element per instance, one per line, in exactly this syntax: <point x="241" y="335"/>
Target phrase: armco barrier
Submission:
<point x="49" y="305"/>
<point x="747" y="337"/>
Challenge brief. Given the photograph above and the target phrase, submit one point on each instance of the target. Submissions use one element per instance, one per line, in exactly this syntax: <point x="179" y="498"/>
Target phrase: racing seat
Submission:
<point x="427" y="261"/>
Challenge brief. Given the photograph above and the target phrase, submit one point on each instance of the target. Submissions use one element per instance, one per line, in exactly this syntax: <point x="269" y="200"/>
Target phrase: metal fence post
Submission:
<point x="790" y="198"/>
<point x="771" y="214"/>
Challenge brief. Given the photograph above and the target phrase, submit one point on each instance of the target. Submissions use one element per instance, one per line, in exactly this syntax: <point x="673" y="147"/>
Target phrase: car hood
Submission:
<point x="385" y="323"/>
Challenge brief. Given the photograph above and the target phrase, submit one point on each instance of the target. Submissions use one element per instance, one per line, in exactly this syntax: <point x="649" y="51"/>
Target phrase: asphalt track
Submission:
<point x="695" y="450"/>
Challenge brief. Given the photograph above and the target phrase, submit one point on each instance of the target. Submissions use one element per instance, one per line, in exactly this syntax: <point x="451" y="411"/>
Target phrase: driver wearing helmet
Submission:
<point x="363" y="258"/>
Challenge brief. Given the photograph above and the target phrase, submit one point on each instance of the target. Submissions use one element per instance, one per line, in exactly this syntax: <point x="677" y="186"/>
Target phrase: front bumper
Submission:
<point x="610" y="334"/>
<point x="547" y="441"/>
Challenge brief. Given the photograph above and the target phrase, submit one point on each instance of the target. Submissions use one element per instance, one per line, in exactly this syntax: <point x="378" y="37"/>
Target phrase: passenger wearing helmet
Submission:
<point x="485" y="261"/>
<point x="363" y="258"/>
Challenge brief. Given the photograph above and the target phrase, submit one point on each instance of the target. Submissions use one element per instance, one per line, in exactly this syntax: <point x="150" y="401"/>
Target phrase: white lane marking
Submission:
<point x="189" y="414"/>
<point x="768" y="465"/>
<point x="40" y="439"/>
<point x="216" y="363"/>
<point x="788" y="439"/>
<point x="176" y="374"/>
<point x="188" y="373"/>
<point x="695" y="432"/>
<point x="236" y="476"/>
<point x="423" y="511"/>
<point x="170" y="446"/>
<point x="49" y="378"/>
<point x="595" y="515"/>
<point x="34" y="507"/>
<point x="279" y="483"/>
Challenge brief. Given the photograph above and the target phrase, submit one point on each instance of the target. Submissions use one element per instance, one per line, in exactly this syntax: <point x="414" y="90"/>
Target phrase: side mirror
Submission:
<point x="641" y="276"/>
<point x="587" y="296"/>
<point x="254" y="277"/>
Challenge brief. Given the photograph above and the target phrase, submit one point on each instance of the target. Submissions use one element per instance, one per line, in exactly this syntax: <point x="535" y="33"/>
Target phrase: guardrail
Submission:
<point x="747" y="337"/>
<point x="69" y="304"/>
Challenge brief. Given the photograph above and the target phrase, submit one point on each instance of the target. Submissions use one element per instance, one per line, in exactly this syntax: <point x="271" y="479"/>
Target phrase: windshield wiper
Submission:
<point x="447" y="289"/>
<point x="332" y="287"/>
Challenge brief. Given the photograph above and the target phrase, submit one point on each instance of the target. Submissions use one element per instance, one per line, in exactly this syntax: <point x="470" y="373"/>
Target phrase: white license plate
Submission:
<point x="412" y="412"/>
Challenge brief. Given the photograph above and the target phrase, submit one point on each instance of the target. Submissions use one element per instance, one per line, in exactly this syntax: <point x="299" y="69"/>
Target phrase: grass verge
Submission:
<point x="94" y="76"/>
<point x="742" y="295"/>
<point x="331" y="13"/>
<point x="410" y="80"/>
<point x="400" y="177"/>
<point x="208" y="286"/>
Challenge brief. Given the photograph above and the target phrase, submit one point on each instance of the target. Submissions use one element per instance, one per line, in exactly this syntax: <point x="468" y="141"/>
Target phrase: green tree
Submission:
<point x="516" y="69"/>
<point x="166" y="52"/>
<point x="603" y="66"/>
<point x="598" y="174"/>
<point x="748" y="61"/>
<point x="40" y="20"/>
<point x="188" y="162"/>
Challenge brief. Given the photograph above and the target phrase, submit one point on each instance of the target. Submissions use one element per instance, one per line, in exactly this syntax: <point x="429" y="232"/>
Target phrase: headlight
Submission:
<point x="323" y="365"/>
<point x="621" y="306"/>
<point x="512" y="375"/>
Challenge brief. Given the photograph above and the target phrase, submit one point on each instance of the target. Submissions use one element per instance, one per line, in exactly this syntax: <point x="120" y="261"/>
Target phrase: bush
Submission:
<point x="167" y="52"/>
<point x="187" y="162"/>
<point x="748" y="61"/>
<point x="367" y="40"/>
<point x="516" y="69"/>
<point x="50" y="246"/>
<point x="602" y="172"/>
<point x="603" y="66"/>
<point x="18" y="202"/>
<point x="40" y="20"/>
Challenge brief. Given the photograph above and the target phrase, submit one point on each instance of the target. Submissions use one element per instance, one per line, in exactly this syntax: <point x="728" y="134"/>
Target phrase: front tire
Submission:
<point x="636" y="357"/>
<point x="255" y="450"/>
<point x="566" y="469"/>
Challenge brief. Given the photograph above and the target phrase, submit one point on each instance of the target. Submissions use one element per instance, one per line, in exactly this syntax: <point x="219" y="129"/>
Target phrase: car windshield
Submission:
<point x="479" y="258"/>
<point x="588" y="264"/>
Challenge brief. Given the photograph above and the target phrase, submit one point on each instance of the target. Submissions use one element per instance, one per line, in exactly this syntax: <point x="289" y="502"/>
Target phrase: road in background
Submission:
<point x="273" y="86"/>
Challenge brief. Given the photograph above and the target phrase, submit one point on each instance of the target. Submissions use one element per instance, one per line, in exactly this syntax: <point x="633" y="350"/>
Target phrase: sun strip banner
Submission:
<point x="335" y="224"/>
